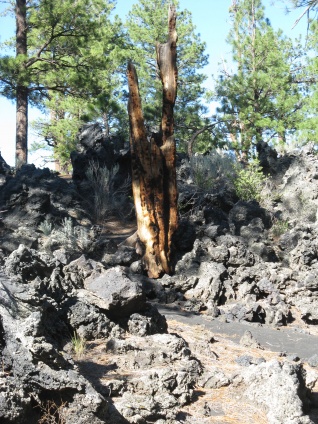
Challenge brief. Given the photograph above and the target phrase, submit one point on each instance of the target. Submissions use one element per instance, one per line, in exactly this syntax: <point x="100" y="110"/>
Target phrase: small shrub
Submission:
<point x="279" y="227"/>
<point x="104" y="199"/>
<point x="67" y="233"/>
<point x="51" y="413"/>
<point x="73" y="237"/>
<point x="208" y="169"/>
<point x="46" y="227"/>
<point x="79" y="345"/>
<point x="250" y="181"/>
<point x="82" y="238"/>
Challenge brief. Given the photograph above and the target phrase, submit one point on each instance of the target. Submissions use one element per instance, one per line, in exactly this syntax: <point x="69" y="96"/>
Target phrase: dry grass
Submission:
<point x="225" y="405"/>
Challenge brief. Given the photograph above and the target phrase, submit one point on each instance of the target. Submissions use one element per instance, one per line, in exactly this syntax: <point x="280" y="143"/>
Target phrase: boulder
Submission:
<point x="35" y="373"/>
<point x="113" y="291"/>
<point x="281" y="388"/>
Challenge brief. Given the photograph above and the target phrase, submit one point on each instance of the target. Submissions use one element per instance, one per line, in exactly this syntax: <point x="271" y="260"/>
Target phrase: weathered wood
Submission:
<point x="154" y="163"/>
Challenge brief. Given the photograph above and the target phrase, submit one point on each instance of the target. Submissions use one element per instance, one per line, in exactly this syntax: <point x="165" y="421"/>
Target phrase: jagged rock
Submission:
<point x="245" y="213"/>
<point x="124" y="256"/>
<point x="34" y="370"/>
<point x="268" y="158"/>
<point x="26" y="264"/>
<point x="78" y="270"/>
<point x="184" y="236"/>
<point x="113" y="291"/>
<point x="87" y="320"/>
<point x="163" y="375"/>
<point x="4" y="167"/>
<point x="247" y="360"/>
<point x="30" y="197"/>
<point x="298" y="189"/>
<point x="281" y="388"/>
<point x="92" y="147"/>
<point x="313" y="361"/>
<point x="148" y="322"/>
<point x="209" y="284"/>
<point x="248" y="340"/>
<point x="214" y="379"/>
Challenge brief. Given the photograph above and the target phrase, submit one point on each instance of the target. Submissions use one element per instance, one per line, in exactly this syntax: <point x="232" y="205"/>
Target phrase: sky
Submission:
<point x="212" y="22"/>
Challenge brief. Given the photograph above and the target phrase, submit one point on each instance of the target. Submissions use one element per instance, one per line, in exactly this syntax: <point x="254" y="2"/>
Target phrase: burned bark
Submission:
<point x="154" y="163"/>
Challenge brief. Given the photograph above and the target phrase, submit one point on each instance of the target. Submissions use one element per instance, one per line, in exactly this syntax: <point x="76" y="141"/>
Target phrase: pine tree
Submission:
<point x="145" y="25"/>
<point x="261" y="100"/>
<point x="61" y="46"/>
<point x="309" y="126"/>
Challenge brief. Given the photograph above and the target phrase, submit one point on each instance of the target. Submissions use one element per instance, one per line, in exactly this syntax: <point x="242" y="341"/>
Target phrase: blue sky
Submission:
<point x="212" y="22"/>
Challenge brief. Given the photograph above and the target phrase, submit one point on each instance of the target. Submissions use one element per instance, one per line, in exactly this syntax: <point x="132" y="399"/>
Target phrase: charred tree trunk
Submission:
<point x="21" y="156"/>
<point x="154" y="163"/>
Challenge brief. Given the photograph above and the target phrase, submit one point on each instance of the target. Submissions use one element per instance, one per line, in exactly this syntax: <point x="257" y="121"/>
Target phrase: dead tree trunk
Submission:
<point x="154" y="163"/>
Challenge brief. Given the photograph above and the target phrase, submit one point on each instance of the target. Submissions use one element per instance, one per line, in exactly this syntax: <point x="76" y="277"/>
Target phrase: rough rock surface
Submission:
<point x="162" y="378"/>
<point x="281" y="388"/>
<point x="31" y="197"/>
<point x="235" y="261"/>
<point x="41" y="307"/>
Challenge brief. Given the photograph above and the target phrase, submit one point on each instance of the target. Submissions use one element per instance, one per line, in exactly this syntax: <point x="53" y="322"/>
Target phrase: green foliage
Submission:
<point x="73" y="237"/>
<point x="147" y="25"/>
<point x="46" y="227"/>
<point x="310" y="4"/>
<point x="262" y="98"/>
<point x="207" y="170"/>
<point x="79" y="345"/>
<point x="279" y="227"/>
<point x="250" y="181"/>
<point x="309" y="126"/>
<point x="75" y="51"/>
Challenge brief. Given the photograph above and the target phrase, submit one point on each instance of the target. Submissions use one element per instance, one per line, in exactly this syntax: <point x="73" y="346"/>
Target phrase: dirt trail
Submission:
<point x="291" y="340"/>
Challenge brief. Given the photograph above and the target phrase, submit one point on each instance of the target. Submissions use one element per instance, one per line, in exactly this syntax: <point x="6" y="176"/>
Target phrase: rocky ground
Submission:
<point x="81" y="338"/>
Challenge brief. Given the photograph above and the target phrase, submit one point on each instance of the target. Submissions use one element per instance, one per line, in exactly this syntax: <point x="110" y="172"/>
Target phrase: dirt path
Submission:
<point x="294" y="341"/>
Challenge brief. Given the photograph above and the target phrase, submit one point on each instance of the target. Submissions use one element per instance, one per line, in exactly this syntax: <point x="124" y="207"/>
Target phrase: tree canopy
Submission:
<point x="260" y="99"/>
<point x="62" y="47"/>
<point x="145" y="25"/>
<point x="70" y="60"/>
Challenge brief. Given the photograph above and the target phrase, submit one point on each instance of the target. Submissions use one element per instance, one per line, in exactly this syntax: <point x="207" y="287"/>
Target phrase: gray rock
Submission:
<point x="209" y="285"/>
<point x="113" y="291"/>
<point x="26" y="264"/>
<point x="163" y="376"/>
<point x="281" y="388"/>
<point x="214" y="379"/>
<point x="313" y="361"/>
<point x="87" y="320"/>
<point x="248" y="340"/>
<point x="34" y="369"/>
<point x="245" y="213"/>
<point x="148" y="322"/>
<point x="247" y="360"/>
<point x="30" y="197"/>
<point x="124" y="256"/>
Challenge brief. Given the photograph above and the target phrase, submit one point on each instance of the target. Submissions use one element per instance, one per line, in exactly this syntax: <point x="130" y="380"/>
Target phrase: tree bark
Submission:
<point x="195" y="135"/>
<point x="154" y="163"/>
<point x="21" y="90"/>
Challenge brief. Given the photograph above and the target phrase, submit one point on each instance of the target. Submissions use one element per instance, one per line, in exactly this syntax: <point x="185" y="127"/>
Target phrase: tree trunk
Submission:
<point x="195" y="135"/>
<point x="154" y="163"/>
<point x="21" y="90"/>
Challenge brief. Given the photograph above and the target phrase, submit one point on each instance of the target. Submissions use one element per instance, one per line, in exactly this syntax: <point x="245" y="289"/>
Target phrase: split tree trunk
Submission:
<point x="154" y="163"/>
<point x="21" y="156"/>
